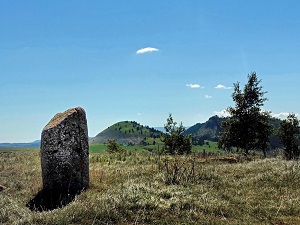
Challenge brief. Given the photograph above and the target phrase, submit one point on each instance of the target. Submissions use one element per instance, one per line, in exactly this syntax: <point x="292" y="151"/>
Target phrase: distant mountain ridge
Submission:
<point x="34" y="144"/>
<point x="126" y="133"/>
<point x="210" y="130"/>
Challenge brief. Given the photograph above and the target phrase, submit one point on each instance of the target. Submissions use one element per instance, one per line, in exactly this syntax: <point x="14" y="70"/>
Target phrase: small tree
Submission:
<point x="248" y="126"/>
<point x="174" y="140"/>
<point x="288" y="131"/>
<point x="113" y="146"/>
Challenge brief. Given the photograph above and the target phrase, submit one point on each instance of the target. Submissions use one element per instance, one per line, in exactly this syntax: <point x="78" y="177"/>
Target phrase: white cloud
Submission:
<point x="146" y="50"/>
<point x="193" y="85"/>
<point x="207" y="96"/>
<point x="222" y="113"/>
<point x="282" y="115"/>
<point x="221" y="86"/>
<point x="139" y="114"/>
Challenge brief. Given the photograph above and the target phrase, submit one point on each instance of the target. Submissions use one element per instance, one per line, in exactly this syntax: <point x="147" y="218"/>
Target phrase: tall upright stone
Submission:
<point x="65" y="152"/>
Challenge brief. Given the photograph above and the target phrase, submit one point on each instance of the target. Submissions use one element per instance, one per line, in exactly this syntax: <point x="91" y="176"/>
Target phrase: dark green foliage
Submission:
<point x="274" y="139"/>
<point x="113" y="146"/>
<point x="211" y="130"/>
<point x="288" y="131"/>
<point x="248" y="127"/>
<point x="143" y="142"/>
<point x="198" y="140"/>
<point x="275" y="142"/>
<point x="175" y="142"/>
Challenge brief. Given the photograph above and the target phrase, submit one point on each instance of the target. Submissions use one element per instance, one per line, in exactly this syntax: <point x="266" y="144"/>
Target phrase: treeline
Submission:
<point x="248" y="127"/>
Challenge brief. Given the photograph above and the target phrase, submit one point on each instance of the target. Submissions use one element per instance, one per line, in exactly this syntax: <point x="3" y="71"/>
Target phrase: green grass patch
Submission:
<point x="209" y="146"/>
<point x="97" y="148"/>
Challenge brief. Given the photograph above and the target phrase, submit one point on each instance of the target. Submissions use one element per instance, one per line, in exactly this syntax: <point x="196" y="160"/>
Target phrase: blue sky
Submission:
<point x="55" y="55"/>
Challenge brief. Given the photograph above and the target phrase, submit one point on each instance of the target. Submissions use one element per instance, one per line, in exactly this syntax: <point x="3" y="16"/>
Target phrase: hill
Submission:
<point x="210" y="130"/>
<point x="126" y="133"/>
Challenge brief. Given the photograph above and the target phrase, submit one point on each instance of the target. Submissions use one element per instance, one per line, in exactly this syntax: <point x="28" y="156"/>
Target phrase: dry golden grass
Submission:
<point x="130" y="188"/>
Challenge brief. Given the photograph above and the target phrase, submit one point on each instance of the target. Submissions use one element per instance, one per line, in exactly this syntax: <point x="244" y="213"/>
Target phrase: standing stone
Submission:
<point x="65" y="152"/>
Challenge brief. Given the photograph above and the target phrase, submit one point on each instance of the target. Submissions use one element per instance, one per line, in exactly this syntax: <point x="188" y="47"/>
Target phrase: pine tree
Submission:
<point x="248" y="126"/>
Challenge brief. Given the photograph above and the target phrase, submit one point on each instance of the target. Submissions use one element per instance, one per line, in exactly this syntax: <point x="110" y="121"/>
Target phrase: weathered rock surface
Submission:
<point x="65" y="152"/>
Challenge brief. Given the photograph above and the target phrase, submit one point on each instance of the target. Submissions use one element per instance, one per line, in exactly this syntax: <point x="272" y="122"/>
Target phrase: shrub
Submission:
<point x="174" y="140"/>
<point x="113" y="146"/>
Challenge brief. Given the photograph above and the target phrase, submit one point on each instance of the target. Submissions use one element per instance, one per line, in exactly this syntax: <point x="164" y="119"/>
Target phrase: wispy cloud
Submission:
<point x="139" y="114"/>
<point x="221" y="86"/>
<point x="282" y="115"/>
<point x="208" y="96"/>
<point x="193" y="85"/>
<point x="222" y="113"/>
<point x="146" y="50"/>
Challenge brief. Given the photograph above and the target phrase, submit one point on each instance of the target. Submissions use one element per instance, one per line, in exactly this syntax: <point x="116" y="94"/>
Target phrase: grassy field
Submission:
<point x="209" y="146"/>
<point x="131" y="188"/>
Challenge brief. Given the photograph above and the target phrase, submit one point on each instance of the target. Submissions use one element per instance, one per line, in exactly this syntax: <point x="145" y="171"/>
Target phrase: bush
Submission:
<point x="174" y="140"/>
<point x="178" y="170"/>
<point x="113" y="146"/>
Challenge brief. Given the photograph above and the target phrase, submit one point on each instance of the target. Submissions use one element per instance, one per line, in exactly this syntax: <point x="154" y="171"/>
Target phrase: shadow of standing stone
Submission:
<point x="64" y="160"/>
<point x="47" y="200"/>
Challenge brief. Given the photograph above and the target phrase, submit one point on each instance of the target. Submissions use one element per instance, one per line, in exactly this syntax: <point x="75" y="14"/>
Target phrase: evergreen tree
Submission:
<point x="113" y="146"/>
<point x="248" y="126"/>
<point x="288" y="131"/>
<point x="174" y="140"/>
